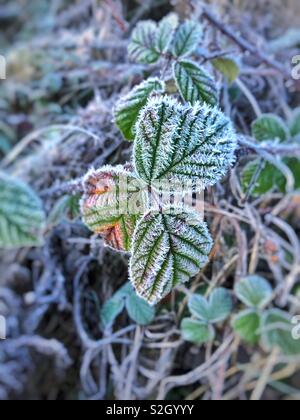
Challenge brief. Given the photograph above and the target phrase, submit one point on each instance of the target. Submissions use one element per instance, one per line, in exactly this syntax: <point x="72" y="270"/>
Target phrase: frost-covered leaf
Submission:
<point x="270" y="127"/>
<point x="220" y="305"/>
<point x="22" y="219"/>
<point x="165" y="32"/>
<point x="187" y="38"/>
<point x="295" y="124"/>
<point x="167" y="250"/>
<point x="194" y="83"/>
<point x="277" y="332"/>
<point x="254" y="291"/>
<point x="216" y="309"/>
<point x="228" y="67"/>
<point x="197" y="332"/>
<point x="142" y="47"/>
<point x="129" y="106"/>
<point x="112" y="203"/>
<point x="183" y="143"/>
<point x="247" y="325"/>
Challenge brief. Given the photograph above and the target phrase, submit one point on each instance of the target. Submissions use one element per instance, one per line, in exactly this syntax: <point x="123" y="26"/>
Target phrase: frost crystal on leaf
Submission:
<point x="112" y="203"/>
<point x="194" y="83"/>
<point x="183" y="143"/>
<point x="168" y="249"/>
<point x="22" y="219"/>
<point x="128" y="108"/>
<point x="187" y="38"/>
<point x="142" y="47"/>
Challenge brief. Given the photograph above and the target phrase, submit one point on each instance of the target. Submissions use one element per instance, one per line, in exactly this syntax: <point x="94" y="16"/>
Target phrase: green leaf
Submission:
<point x="270" y="127"/>
<point x="294" y="166"/>
<point x="228" y="67"/>
<point x="111" y="310"/>
<point x="270" y="178"/>
<point x="143" y="45"/>
<point x="112" y="203"/>
<point x="254" y="291"/>
<point x="277" y="330"/>
<point x="220" y="304"/>
<point x="187" y="38"/>
<point x="194" y="83"/>
<point x="294" y="123"/>
<point x="129" y="107"/>
<point x="165" y="32"/>
<point x="199" y="307"/>
<point x="196" y="331"/>
<point x="67" y="207"/>
<point x="182" y="143"/>
<point x="214" y="310"/>
<point x="167" y="250"/>
<point x="22" y="219"/>
<point x="138" y="309"/>
<point x="247" y="325"/>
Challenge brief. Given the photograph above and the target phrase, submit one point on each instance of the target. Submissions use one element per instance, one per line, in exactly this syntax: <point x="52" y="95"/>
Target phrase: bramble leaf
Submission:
<point x="247" y="325"/>
<point x="183" y="143"/>
<point x="111" y="310"/>
<point x="112" y="203"/>
<point x="165" y="32"/>
<point x="228" y="67"/>
<point x="277" y="332"/>
<point x="270" y="127"/>
<point x="142" y="47"/>
<point x="129" y="106"/>
<point x="167" y="250"/>
<point x="254" y="291"/>
<point x="22" y="219"/>
<point x="199" y="307"/>
<point x="197" y="332"/>
<point x="194" y="83"/>
<point x="187" y="38"/>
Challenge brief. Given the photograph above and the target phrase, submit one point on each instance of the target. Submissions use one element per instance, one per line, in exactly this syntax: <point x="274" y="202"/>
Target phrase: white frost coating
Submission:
<point x="187" y="38"/>
<point x="128" y="108"/>
<point x="167" y="250"/>
<point x="183" y="143"/>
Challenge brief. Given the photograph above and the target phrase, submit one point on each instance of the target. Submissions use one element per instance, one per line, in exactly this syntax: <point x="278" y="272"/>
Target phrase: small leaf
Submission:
<point x="66" y="207"/>
<point x="228" y="67"/>
<point x="270" y="178"/>
<point x="187" y="38"/>
<point x="247" y="324"/>
<point x="270" y="127"/>
<point x="165" y="32"/>
<point x="138" y="309"/>
<point x="254" y="291"/>
<point x="277" y="332"/>
<point x="110" y="311"/>
<point x="199" y="307"/>
<point x="168" y="249"/>
<point x="142" y="47"/>
<point x="22" y="219"/>
<point x="194" y="83"/>
<point x="197" y="332"/>
<point x="214" y="310"/>
<point x="182" y="143"/>
<point x="129" y="107"/>
<point x="112" y="203"/>
<point x="295" y="123"/>
<point x="220" y="305"/>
